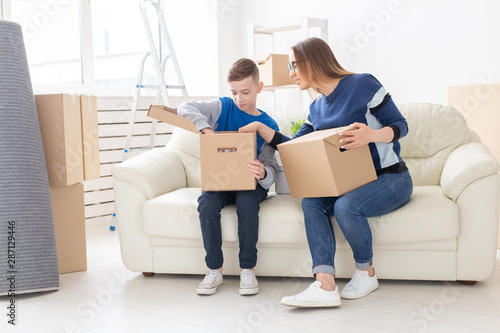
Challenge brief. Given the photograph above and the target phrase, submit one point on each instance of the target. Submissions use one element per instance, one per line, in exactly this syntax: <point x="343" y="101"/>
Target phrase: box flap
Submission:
<point x="334" y="137"/>
<point x="317" y="135"/>
<point x="259" y="59"/>
<point x="169" y="116"/>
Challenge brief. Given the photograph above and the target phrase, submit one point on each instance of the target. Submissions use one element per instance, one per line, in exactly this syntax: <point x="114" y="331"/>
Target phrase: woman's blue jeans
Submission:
<point x="351" y="210"/>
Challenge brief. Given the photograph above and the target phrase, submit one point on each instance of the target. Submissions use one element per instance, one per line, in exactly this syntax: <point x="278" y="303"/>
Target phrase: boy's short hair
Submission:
<point x="242" y="69"/>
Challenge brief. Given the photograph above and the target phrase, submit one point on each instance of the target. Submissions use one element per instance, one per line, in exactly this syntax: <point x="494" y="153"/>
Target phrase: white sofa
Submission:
<point x="447" y="231"/>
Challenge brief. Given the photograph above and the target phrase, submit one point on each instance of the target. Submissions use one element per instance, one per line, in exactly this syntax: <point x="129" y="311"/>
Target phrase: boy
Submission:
<point x="229" y="114"/>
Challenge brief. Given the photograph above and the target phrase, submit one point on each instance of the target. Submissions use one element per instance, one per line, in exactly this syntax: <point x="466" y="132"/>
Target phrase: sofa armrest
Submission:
<point x="465" y="165"/>
<point x="155" y="172"/>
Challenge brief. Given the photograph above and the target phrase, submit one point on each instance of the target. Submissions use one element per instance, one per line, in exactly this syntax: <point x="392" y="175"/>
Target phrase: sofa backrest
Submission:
<point x="187" y="146"/>
<point x="434" y="131"/>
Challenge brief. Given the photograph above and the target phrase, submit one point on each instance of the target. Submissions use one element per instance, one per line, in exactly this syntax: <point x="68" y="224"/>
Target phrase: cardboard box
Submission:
<point x="273" y="69"/>
<point x="316" y="167"/>
<point x="61" y="129"/>
<point x="90" y="138"/>
<point x="224" y="156"/>
<point x="68" y="207"/>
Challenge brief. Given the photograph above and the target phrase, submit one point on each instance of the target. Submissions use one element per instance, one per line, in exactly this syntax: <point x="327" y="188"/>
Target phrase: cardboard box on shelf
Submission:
<point x="61" y="129"/>
<point x="68" y="207"/>
<point x="224" y="156"/>
<point x="90" y="137"/>
<point x="273" y="69"/>
<point x="316" y="166"/>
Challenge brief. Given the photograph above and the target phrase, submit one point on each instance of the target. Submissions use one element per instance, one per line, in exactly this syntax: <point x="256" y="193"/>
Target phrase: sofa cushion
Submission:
<point x="428" y="216"/>
<point x="434" y="131"/>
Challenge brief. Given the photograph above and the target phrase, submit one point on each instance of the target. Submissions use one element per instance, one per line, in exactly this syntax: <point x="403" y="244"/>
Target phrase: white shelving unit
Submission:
<point x="273" y="33"/>
<point x="304" y="27"/>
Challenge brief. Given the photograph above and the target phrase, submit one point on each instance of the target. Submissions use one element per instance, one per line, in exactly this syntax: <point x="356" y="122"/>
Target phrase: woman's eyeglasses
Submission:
<point x="292" y="67"/>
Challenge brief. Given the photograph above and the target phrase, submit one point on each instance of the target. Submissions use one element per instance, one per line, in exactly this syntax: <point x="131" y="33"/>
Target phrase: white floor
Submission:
<point x="108" y="298"/>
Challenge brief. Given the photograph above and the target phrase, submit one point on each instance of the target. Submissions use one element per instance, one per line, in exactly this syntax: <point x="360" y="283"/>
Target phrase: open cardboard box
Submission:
<point x="316" y="166"/>
<point x="224" y="156"/>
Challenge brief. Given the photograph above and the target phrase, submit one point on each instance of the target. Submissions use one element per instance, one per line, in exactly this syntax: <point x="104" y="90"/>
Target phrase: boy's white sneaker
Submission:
<point x="360" y="285"/>
<point x="248" y="282"/>
<point x="313" y="297"/>
<point x="209" y="285"/>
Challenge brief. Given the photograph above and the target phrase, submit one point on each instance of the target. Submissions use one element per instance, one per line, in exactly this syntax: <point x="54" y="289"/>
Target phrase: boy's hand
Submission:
<point x="207" y="130"/>
<point x="257" y="169"/>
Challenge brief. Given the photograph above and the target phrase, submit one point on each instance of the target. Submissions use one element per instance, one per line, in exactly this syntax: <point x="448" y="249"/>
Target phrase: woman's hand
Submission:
<point x="358" y="137"/>
<point x="257" y="169"/>
<point x="264" y="131"/>
<point x="364" y="135"/>
<point x="251" y="128"/>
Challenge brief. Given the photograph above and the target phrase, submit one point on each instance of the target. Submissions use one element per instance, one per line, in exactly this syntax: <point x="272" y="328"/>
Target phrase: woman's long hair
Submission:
<point x="316" y="62"/>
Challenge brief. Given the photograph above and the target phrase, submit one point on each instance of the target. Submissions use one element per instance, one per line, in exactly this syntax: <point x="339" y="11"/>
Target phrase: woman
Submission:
<point x="346" y="99"/>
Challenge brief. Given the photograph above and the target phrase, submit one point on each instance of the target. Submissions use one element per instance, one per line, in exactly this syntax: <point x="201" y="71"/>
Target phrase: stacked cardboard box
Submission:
<point x="273" y="69"/>
<point x="68" y="125"/>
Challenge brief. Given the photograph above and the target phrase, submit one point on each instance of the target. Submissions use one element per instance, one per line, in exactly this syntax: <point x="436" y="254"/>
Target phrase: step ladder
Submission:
<point x="160" y="86"/>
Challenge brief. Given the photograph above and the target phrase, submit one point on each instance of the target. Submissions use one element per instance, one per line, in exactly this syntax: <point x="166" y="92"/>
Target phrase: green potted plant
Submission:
<point x="295" y="126"/>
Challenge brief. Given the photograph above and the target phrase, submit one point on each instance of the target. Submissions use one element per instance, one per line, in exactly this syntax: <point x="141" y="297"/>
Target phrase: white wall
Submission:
<point x="192" y="27"/>
<point x="416" y="48"/>
<point x="229" y="32"/>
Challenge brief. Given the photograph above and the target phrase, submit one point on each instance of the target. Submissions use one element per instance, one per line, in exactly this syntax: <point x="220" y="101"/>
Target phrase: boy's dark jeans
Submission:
<point x="247" y="203"/>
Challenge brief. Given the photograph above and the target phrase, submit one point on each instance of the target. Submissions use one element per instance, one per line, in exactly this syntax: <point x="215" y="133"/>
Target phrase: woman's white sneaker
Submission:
<point x="209" y="285"/>
<point x="313" y="297"/>
<point x="248" y="282"/>
<point x="360" y="285"/>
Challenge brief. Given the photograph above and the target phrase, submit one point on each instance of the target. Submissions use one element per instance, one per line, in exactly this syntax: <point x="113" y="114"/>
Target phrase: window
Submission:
<point x="86" y="45"/>
<point x="119" y="43"/>
<point x="53" y="38"/>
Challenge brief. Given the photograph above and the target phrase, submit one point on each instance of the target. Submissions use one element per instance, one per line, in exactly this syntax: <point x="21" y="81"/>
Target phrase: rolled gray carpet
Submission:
<point x="28" y="256"/>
